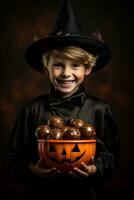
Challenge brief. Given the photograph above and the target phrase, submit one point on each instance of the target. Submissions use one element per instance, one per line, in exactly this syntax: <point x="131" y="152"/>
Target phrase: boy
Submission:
<point x="68" y="57"/>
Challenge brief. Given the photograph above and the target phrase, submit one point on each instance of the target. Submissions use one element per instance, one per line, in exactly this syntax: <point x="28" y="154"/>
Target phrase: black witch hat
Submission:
<point x="67" y="32"/>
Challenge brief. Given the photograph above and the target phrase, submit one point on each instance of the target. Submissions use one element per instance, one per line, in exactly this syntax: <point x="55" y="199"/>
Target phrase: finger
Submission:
<point x="48" y="171"/>
<point x="40" y="162"/>
<point x="73" y="174"/>
<point x="53" y="169"/>
<point x="84" y="167"/>
<point x="91" y="160"/>
<point x="59" y="172"/>
<point x="89" y="169"/>
<point x="80" y="172"/>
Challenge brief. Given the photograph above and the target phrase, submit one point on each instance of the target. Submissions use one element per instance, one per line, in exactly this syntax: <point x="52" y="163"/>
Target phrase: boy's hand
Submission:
<point x="42" y="172"/>
<point x="83" y="171"/>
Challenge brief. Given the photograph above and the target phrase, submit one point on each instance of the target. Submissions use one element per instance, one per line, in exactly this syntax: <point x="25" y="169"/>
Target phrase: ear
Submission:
<point x="45" y="71"/>
<point x="88" y="71"/>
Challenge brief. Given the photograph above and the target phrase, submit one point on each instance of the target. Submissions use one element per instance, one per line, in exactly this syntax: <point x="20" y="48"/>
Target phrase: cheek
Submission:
<point x="52" y="74"/>
<point x="79" y="75"/>
<point x="56" y="73"/>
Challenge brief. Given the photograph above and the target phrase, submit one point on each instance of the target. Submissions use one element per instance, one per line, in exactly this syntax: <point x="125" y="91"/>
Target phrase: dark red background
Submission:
<point x="20" y="22"/>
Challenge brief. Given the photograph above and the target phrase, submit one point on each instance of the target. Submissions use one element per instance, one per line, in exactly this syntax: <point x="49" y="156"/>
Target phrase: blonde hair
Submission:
<point x="73" y="53"/>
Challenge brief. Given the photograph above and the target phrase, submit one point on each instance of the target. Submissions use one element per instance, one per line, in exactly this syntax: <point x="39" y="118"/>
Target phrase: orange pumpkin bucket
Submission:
<point x="65" y="154"/>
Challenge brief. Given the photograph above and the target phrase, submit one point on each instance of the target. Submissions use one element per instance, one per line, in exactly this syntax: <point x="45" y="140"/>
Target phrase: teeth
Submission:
<point x="66" y="83"/>
<point x="69" y="81"/>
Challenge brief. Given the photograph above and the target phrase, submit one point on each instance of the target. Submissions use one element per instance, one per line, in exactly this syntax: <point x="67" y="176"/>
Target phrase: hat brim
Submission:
<point x="34" y="52"/>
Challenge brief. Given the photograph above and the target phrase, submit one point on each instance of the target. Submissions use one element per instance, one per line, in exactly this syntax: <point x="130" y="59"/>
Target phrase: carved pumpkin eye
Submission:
<point x="75" y="149"/>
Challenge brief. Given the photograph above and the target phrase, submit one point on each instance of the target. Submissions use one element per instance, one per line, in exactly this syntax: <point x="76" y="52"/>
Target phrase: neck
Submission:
<point x="66" y="95"/>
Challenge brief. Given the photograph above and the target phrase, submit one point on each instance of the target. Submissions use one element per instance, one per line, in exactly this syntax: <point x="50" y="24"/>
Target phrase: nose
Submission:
<point x="66" y="72"/>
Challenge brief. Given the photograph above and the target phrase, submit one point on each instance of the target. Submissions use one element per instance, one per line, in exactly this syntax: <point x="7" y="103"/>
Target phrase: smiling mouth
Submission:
<point x="65" y="160"/>
<point x="65" y="83"/>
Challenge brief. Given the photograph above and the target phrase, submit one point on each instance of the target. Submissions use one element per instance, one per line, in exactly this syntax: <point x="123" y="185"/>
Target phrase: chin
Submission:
<point x="67" y="92"/>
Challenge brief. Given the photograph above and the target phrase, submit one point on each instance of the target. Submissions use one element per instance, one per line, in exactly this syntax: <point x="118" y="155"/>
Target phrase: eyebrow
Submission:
<point x="58" y="59"/>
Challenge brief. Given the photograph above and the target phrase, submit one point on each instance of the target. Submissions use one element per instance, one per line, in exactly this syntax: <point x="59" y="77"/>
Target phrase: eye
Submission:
<point x="57" y="65"/>
<point x="75" y="65"/>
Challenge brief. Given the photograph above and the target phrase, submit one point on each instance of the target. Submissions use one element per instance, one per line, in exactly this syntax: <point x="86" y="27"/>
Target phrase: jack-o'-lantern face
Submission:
<point x="66" y="155"/>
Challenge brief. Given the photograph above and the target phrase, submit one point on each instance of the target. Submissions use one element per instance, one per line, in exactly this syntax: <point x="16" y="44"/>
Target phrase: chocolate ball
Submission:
<point x="87" y="131"/>
<point x="71" y="134"/>
<point x="56" y="134"/>
<point x="77" y="123"/>
<point x="42" y="132"/>
<point x="55" y="122"/>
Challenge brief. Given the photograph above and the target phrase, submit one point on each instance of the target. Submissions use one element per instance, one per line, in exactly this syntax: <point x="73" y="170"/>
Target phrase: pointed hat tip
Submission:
<point x="66" y="21"/>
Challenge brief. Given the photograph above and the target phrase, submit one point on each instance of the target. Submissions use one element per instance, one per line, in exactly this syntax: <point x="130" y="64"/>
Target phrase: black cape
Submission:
<point x="23" y="144"/>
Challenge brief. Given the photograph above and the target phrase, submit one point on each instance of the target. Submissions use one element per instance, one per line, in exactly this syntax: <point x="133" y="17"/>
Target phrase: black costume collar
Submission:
<point x="55" y="98"/>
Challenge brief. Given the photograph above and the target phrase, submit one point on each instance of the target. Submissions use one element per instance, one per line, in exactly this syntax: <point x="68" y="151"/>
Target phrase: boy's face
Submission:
<point x="66" y="75"/>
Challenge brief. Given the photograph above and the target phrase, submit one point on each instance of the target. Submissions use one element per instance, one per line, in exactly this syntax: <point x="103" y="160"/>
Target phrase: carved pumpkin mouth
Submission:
<point x="65" y="160"/>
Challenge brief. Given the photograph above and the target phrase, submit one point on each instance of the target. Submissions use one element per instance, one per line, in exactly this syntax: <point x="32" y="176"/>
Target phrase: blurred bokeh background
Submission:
<point x="21" y="21"/>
